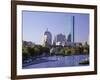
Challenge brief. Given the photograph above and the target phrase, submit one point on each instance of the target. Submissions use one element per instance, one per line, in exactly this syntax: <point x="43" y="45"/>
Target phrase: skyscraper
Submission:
<point x="69" y="38"/>
<point x="60" y="39"/>
<point x="47" y="38"/>
<point x="73" y="30"/>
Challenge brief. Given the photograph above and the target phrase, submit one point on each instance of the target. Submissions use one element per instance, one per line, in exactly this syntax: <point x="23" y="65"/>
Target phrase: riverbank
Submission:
<point x="85" y="62"/>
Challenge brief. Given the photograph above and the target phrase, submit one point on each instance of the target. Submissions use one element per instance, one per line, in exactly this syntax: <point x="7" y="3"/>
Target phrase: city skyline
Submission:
<point x="36" y="23"/>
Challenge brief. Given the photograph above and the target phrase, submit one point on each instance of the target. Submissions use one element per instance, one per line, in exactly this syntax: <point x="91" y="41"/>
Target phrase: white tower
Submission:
<point x="47" y="38"/>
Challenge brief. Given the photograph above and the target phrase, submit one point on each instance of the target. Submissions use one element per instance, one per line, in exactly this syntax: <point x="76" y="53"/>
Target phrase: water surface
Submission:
<point x="57" y="61"/>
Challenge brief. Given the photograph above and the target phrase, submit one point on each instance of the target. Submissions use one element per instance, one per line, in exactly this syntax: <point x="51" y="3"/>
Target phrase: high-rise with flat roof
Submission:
<point x="60" y="39"/>
<point x="73" y="30"/>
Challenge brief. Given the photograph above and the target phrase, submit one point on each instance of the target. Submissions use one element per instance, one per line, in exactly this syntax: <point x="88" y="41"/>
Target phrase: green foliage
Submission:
<point x="46" y="49"/>
<point x="65" y="51"/>
<point x="31" y="51"/>
<point x="40" y="49"/>
<point x="86" y="48"/>
<point x="36" y="50"/>
<point x="25" y="53"/>
<point x="68" y="51"/>
<point x="62" y="52"/>
<point x="52" y="51"/>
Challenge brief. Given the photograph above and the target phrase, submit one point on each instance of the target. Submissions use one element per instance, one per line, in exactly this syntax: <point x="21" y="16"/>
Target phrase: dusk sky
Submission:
<point x="36" y="23"/>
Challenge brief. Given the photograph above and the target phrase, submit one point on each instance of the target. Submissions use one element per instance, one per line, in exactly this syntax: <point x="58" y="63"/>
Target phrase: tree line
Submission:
<point x="37" y="50"/>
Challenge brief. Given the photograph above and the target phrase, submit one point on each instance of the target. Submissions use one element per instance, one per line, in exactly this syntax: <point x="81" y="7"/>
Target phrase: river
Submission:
<point x="57" y="61"/>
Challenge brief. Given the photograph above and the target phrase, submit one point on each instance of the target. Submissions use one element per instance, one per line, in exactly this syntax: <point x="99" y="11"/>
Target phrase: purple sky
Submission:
<point x="36" y="23"/>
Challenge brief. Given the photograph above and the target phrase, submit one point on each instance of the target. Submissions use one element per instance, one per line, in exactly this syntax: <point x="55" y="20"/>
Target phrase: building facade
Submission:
<point x="60" y="39"/>
<point x="47" y="38"/>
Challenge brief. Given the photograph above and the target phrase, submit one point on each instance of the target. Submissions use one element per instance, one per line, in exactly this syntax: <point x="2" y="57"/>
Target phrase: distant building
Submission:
<point x="60" y="39"/>
<point x="73" y="29"/>
<point x="47" y="38"/>
<point x="69" y="38"/>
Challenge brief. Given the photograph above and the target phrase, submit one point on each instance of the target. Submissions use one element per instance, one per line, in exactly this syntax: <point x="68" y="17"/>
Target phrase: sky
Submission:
<point x="35" y="23"/>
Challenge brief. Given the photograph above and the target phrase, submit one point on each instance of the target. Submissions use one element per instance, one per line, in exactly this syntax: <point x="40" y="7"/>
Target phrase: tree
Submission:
<point x="36" y="51"/>
<point x="68" y="51"/>
<point x="46" y="49"/>
<point x="62" y="52"/>
<point x="52" y="51"/>
<point x="31" y="51"/>
<point x="86" y="48"/>
<point x="73" y="51"/>
<point x="25" y="54"/>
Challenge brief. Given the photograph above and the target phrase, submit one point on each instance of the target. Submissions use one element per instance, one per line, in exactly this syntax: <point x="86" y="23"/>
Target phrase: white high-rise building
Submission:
<point x="47" y="38"/>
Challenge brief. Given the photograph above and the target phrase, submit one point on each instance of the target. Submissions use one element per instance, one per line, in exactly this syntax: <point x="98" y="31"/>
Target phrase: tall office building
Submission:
<point x="73" y="29"/>
<point x="59" y="39"/>
<point x="47" y="38"/>
<point x="69" y="38"/>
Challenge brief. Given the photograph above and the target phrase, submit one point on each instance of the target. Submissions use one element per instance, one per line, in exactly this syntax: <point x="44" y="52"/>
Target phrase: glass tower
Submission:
<point x="73" y="29"/>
